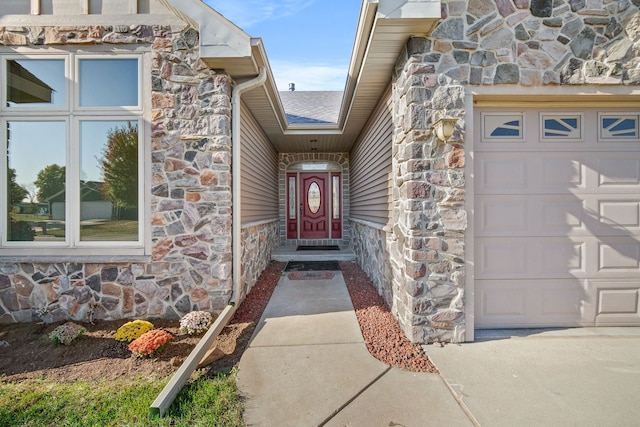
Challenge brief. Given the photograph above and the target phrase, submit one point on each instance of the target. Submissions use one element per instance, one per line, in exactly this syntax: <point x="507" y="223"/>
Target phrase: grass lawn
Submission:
<point x="115" y="230"/>
<point x="203" y="402"/>
<point x="28" y="217"/>
<point x="110" y="230"/>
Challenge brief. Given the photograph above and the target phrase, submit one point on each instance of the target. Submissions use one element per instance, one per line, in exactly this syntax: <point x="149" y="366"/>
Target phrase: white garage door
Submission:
<point x="557" y="218"/>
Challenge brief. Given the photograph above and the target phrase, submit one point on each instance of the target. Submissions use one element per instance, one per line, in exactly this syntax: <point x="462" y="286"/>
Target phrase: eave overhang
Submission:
<point x="384" y="26"/>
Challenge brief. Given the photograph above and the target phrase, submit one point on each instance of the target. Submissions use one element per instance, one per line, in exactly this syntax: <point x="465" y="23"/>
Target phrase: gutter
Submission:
<point x="180" y="378"/>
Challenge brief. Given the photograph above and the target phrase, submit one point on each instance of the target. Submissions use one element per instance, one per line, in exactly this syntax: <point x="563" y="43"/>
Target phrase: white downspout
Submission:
<point x="179" y="379"/>
<point x="236" y="228"/>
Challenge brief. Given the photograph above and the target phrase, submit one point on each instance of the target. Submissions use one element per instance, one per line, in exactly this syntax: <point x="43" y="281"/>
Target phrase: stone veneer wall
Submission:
<point x="286" y="159"/>
<point x="369" y="244"/>
<point x="429" y="217"/>
<point x="518" y="43"/>
<point x="537" y="42"/>
<point x="190" y="218"/>
<point x="258" y="244"/>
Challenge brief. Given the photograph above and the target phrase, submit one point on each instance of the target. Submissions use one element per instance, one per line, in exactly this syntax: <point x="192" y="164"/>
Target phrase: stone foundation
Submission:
<point x="369" y="244"/>
<point x="86" y="292"/>
<point x="258" y="243"/>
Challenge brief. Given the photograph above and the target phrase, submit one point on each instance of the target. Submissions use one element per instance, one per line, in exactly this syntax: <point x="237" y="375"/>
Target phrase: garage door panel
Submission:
<point x="618" y="303"/>
<point x="556" y="219"/>
<point x="619" y="215"/>
<point x="561" y="301"/>
<point x="557" y="173"/>
<point x="560" y="216"/>
<point x="621" y="255"/>
<point x="500" y="257"/>
<point x="525" y="303"/>
<point x="557" y="257"/>
<point x="560" y="258"/>
<point x="562" y="172"/>
<point x="504" y="216"/>
<point x="529" y="173"/>
<point x="526" y="258"/>
<point x="534" y="215"/>
<point x="500" y="300"/>
<point x="502" y="173"/>
<point x="620" y="171"/>
<point x="584" y="215"/>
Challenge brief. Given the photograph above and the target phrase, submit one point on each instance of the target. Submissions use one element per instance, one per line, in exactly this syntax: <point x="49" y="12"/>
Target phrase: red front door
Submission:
<point x="314" y="215"/>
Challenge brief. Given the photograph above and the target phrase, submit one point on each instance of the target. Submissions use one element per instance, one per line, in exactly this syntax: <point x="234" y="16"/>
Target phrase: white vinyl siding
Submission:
<point x="371" y="160"/>
<point x="259" y="172"/>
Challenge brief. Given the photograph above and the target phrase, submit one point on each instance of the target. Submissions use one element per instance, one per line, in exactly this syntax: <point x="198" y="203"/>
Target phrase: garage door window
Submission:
<point x="561" y="127"/>
<point x="619" y="127"/>
<point x="502" y="127"/>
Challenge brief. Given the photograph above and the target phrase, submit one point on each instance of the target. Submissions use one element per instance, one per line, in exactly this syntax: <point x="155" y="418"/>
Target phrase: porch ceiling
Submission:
<point x="384" y="27"/>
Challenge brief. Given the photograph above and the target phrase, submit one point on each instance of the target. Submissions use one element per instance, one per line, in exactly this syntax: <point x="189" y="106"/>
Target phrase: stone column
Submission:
<point x="427" y="240"/>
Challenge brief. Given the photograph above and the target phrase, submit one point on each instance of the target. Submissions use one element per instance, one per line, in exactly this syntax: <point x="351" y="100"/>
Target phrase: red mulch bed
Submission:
<point x="381" y="331"/>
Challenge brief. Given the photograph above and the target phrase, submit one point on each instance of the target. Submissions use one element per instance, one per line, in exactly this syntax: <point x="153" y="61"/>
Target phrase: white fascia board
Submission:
<point x="270" y="87"/>
<point x="219" y="37"/>
<point x="366" y="22"/>
<point x="409" y="9"/>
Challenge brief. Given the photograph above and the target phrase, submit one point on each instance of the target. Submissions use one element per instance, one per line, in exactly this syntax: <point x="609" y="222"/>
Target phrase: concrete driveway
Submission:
<point x="564" y="377"/>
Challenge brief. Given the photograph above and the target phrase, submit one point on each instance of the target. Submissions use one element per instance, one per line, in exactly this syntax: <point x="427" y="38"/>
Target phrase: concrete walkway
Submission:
<point x="308" y="365"/>
<point x="565" y="377"/>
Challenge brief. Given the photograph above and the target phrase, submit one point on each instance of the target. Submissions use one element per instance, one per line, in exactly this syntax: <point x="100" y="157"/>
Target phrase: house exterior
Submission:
<point x="527" y="216"/>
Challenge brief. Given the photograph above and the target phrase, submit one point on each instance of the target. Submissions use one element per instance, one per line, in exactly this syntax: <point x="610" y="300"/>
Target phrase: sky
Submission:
<point x="308" y="42"/>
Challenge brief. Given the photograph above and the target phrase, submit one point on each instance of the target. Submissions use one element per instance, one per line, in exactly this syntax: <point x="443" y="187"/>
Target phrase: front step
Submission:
<point x="290" y="253"/>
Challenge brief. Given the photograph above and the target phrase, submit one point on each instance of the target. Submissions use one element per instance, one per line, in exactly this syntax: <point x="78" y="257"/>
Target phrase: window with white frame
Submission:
<point x="73" y="152"/>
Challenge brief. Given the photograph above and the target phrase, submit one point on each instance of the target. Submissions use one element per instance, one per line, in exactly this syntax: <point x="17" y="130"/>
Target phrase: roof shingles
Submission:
<point x="311" y="107"/>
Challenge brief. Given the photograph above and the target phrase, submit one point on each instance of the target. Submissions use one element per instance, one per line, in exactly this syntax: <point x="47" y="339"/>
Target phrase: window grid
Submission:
<point x="72" y="114"/>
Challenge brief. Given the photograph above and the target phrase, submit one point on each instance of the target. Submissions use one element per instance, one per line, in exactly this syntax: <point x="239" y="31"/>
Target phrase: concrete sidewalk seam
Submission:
<point x="308" y="345"/>
<point x="358" y="394"/>
<point x="458" y="399"/>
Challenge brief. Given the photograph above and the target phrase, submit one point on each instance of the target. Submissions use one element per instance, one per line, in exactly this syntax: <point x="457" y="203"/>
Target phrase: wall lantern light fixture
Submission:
<point x="444" y="126"/>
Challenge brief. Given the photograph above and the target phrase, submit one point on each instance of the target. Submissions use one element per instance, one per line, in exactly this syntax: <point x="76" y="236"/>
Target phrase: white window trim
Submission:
<point x="72" y="114"/>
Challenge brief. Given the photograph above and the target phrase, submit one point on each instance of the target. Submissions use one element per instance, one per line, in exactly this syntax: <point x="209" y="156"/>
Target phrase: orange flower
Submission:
<point x="150" y="343"/>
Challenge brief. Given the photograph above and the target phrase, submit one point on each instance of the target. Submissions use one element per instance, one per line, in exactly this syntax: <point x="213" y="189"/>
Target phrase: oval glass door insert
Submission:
<point x="313" y="197"/>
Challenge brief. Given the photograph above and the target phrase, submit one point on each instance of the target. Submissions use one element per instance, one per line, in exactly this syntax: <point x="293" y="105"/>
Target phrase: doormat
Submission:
<point x="310" y="275"/>
<point x="312" y="266"/>
<point x="318" y="248"/>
